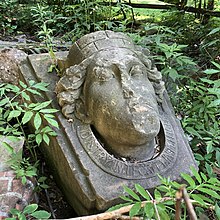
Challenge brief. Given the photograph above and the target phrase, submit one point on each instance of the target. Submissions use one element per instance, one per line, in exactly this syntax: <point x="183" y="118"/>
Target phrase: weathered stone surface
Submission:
<point x="9" y="61"/>
<point x="90" y="175"/>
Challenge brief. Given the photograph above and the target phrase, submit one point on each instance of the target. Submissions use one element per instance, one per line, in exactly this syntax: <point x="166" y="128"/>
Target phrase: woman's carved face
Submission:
<point x="120" y="100"/>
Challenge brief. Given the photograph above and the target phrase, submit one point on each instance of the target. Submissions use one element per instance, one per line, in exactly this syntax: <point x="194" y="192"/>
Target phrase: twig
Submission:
<point x="179" y="196"/>
<point x="189" y="205"/>
<point x="155" y="207"/>
<point x="118" y="213"/>
<point x="49" y="203"/>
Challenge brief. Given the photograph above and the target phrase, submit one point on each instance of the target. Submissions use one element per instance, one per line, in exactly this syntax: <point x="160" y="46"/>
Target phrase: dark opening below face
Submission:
<point x="120" y="102"/>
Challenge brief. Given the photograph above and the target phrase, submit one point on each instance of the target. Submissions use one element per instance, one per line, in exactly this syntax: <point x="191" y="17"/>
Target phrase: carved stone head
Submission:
<point x="112" y="85"/>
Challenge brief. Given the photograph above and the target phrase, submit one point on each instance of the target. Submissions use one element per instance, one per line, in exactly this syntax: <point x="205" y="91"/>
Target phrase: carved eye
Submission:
<point x="136" y="71"/>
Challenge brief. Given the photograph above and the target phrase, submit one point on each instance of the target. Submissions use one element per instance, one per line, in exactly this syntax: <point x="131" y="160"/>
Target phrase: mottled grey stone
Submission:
<point x="92" y="174"/>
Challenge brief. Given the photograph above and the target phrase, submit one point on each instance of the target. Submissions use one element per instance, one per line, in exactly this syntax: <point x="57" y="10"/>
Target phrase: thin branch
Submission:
<point x="189" y="205"/>
<point x="179" y="196"/>
<point x="155" y="207"/>
<point x="117" y="213"/>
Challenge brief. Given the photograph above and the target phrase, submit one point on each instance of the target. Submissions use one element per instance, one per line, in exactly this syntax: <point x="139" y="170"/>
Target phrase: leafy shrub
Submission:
<point x="29" y="212"/>
<point x="161" y="205"/>
<point x="15" y="112"/>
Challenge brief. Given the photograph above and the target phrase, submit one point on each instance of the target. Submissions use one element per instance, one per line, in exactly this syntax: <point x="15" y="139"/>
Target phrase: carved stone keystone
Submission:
<point x="117" y="126"/>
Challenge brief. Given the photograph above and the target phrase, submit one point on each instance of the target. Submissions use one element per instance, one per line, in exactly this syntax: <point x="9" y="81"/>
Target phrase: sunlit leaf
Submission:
<point x="196" y="174"/>
<point x="209" y="192"/>
<point x="37" y="121"/>
<point x="42" y="105"/>
<point x="30" y="208"/>
<point x="52" y="122"/>
<point x="41" y="214"/>
<point x="27" y="117"/>
<point x="217" y="211"/>
<point x="135" y="209"/>
<point x="189" y="179"/>
<point x="132" y="193"/>
<point x="198" y="199"/>
<point x="142" y="191"/>
<point x="149" y="210"/>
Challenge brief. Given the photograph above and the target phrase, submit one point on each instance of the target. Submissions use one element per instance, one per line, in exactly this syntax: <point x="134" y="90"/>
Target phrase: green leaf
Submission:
<point x="126" y="199"/>
<point x="30" y="209"/>
<point x="209" y="169"/>
<point x="49" y="116"/>
<point x="217" y="211"/>
<point x="14" y="113"/>
<point x="41" y="86"/>
<point x="31" y="82"/>
<point x="23" y="180"/>
<point x="8" y="147"/>
<point x="162" y="213"/>
<point x="211" y="71"/>
<point x="189" y="179"/>
<point x="142" y="191"/>
<point x="163" y="188"/>
<point x="191" y="130"/>
<point x="157" y="194"/>
<point x="46" y="139"/>
<point x="25" y="96"/>
<point x="113" y="208"/>
<point x="135" y="209"/>
<point x="41" y="214"/>
<point x="204" y="176"/>
<point x="39" y="138"/>
<point x="149" y="210"/>
<point x="27" y="117"/>
<point x="132" y="193"/>
<point x="198" y="199"/>
<point x="22" y="85"/>
<point x="175" y="185"/>
<point x="52" y="122"/>
<point x="211" y="186"/>
<point x="41" y="179"/>
<point x="35" y="92"/>
<point x="216" y="65"/>
<point x="14" y="211"/>
<point x="21" y="216"/>
<point x="49" y="110"/>
<point x="173" y="74"/>
<point x="196" y="174"/>
<point x="213" y="31"/>
<point x="42" y="105"/>
<point x="37" y="121"/>
<point x="214" y="103"/>
<point x="4" y="101"/>
<point x="44" y="186"/>
<point x="209" y="192"/>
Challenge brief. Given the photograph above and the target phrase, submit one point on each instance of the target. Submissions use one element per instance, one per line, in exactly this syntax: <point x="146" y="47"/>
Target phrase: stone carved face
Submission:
<point x="120" y="103"/>
<point x="111" y="91"/>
